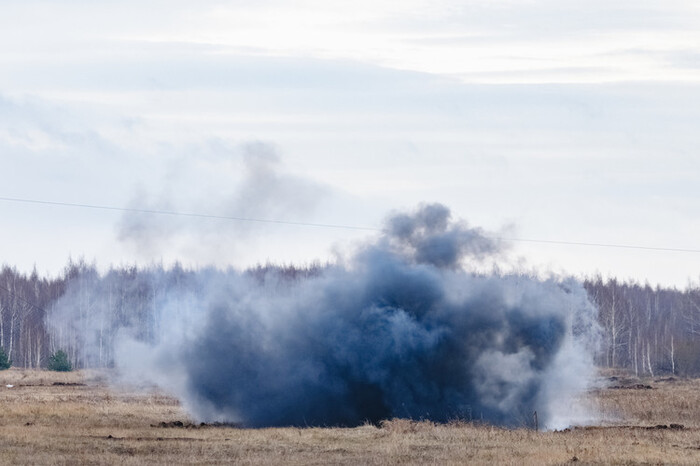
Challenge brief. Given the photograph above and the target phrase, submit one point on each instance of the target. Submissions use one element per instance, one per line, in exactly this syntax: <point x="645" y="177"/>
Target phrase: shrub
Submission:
<point x="59" y="362"/>
<point x="4" y="362"/>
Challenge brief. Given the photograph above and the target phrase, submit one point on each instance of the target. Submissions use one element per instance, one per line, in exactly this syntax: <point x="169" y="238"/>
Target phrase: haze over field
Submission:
<point x="550" y="120"/>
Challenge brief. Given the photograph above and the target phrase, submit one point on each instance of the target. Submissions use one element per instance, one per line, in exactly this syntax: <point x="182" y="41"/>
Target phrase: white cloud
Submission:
<point x="574" y="120"/>
<point x="499" y="41"/>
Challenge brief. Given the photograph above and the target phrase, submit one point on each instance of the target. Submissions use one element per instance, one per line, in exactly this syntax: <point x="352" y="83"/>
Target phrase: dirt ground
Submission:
<point x="75" y="418"/>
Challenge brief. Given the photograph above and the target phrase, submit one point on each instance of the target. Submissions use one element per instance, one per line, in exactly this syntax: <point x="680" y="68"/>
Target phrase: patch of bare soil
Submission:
<point x="190" y="425"/>
<point x="636" y="386"/>
<point x="625" y="427"/>
<point x="667" y="379"/>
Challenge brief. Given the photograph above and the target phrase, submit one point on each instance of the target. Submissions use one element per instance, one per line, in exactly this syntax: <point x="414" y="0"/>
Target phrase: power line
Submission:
<point x="187" y="214"/>
<point x="601" y="245"/>
<point x="328" y="225"/>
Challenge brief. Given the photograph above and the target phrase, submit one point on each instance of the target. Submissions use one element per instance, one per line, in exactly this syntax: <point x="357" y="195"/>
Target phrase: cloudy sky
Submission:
<point x="536" y="119"/>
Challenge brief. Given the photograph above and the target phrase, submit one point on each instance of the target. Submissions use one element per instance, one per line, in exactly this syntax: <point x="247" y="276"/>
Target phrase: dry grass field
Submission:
<point x="74" y="418"/>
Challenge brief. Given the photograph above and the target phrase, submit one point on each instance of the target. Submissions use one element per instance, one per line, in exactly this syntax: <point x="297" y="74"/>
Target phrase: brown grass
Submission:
<point x="71" y="423"/>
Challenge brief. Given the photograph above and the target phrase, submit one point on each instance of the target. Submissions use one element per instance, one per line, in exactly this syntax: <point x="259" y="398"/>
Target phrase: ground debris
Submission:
<point x="636" y="386"/>
<point x="671" y="426"/>
<point x="153" y="439"/>
<point x="190" y="425"/>
<point x="666" y="379"/>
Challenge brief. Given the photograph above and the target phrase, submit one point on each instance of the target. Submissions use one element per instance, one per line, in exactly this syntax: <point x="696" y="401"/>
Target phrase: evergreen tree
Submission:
<point x="4" y="362"/>
<point x="59" y="362"/>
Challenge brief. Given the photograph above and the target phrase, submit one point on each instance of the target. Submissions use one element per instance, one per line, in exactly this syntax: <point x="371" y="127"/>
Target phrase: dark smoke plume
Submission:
<point x="399" y="330"/>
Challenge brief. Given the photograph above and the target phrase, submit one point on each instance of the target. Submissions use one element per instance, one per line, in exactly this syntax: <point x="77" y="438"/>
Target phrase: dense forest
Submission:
<point x="646" y="330"/>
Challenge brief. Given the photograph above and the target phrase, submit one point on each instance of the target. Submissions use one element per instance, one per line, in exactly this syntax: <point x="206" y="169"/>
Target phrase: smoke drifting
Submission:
<point x="400" y="329"/>
<point x="246" y="181"/>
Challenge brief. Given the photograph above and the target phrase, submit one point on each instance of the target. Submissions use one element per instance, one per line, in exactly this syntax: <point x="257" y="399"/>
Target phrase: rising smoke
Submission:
<point x="400" y="329"/>
<point x="246" y="181"/>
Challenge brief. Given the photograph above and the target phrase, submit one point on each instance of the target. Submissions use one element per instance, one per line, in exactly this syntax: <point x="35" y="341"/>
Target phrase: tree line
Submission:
<point x="646" y="330"/>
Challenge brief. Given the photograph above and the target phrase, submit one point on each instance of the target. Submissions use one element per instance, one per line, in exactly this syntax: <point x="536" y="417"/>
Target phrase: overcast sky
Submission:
<point x="551" y="120"/>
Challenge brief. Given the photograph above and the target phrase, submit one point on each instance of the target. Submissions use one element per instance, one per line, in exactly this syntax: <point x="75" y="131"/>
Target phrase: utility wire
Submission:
<point x="187" y="214"/>
<point x="329" y="225"/>
<point x="601" y="245"/>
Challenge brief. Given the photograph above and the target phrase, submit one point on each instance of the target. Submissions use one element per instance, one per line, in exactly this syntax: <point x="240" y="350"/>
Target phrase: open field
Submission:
<point x="74" y="418"/>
